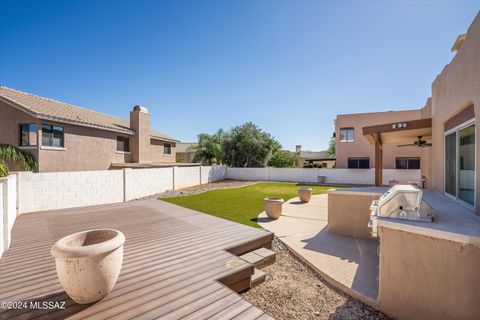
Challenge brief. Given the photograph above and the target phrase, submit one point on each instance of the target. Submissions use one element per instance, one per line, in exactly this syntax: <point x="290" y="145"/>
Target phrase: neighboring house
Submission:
<point x="320" y="158"/>
<point x="64" y="137"/>
<point x="448" y="122"/>
<point x="185" y="151"/>
<point x="354" y="151"/>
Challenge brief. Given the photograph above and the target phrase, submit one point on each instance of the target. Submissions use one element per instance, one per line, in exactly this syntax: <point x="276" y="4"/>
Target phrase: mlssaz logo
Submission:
<point x="47" y="305"/>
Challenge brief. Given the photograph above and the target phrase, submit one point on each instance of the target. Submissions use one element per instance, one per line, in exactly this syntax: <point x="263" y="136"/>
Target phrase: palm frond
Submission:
<point x="25" y="160"/>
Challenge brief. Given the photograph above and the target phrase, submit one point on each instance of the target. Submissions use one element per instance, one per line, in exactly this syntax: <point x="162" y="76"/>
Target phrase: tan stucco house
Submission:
<point x="354" y="150"/>
<point x="64" y="137"/>
<point x="447" y="122"/>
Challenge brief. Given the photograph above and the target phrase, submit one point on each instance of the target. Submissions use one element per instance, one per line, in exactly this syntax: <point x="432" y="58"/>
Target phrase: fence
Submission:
<point x="332" y="176"/>
<point x="59" y="190"/>
<point x="8" y="210"/>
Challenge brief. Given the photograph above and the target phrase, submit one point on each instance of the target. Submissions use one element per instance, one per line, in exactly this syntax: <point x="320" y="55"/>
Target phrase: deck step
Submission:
<point x="259" y="258"/>
<point x="257" y="278"/>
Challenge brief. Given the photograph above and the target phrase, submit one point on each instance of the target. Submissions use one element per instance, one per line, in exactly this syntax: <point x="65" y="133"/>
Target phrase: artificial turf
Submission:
<point x="241" y="204"/>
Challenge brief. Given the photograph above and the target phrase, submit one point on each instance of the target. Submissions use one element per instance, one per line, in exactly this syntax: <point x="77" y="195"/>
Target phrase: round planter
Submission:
<point x="304" y="194"/>
<point x="88" y="263"/>
<point x="273" y="207"/>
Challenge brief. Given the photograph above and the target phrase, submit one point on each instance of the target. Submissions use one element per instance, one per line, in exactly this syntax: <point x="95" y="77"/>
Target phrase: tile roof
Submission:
<point x="49" y="109"/>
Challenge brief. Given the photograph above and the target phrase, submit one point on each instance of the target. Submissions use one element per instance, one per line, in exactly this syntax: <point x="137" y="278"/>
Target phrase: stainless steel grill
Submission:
<point x="400" y="202"/>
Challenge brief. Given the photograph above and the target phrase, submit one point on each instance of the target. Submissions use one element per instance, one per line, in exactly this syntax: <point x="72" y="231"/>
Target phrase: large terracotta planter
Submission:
<point x="304" y="194"/>
<point x="88" y="263"/>
<point x="273" y="207"/>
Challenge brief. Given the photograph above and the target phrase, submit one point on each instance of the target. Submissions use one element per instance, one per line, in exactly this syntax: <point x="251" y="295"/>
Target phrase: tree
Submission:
<point x="282" y="159"/>
<point x="331" y="147"/>
<point x="209" y="149"/>
<point x="9" y="153"/>
<point x="248" y="146"/>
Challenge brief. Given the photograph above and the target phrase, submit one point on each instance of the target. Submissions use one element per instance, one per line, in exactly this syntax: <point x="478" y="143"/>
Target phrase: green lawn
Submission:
<point x="240" y="204"/>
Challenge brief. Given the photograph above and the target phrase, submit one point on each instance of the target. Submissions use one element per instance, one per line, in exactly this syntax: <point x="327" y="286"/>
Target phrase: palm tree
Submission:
<point x="9" y="153"/>
<point x="209" y="149"/>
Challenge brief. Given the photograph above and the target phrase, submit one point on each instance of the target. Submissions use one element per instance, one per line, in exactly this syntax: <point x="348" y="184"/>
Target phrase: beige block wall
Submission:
<point x="455" y="88"/>
<point x="427" y="278"/>
<point x="361" y="147"/>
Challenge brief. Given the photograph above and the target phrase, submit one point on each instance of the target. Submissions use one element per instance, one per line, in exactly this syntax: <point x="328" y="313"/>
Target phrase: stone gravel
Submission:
<point x="292" y="290"/>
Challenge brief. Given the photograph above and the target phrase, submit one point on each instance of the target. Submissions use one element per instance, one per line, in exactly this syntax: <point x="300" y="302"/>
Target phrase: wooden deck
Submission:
<point x="173" y="260"/>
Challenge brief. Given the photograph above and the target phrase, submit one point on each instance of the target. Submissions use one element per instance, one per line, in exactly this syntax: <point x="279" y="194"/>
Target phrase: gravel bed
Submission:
<point x="224" y="184"/>
<point x="292" y="290"/>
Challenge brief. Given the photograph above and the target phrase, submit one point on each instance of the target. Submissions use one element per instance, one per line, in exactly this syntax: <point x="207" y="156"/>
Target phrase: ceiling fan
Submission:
<point x="419" y="143"/>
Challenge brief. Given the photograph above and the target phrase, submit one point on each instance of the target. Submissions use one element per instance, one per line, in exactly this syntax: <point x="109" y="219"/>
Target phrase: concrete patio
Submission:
<point x="347" y="262"/>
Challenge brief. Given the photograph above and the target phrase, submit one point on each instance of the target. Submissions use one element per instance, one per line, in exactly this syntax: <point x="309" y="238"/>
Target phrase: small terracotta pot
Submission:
<point x="305" y="194"/>
<point x="88" y="263"/>
<point x="273" y="207"/>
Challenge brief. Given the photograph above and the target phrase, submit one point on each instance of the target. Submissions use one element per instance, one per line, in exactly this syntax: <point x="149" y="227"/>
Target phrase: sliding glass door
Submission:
<point x="460" y="163"/>
<point x="451" y="164"/>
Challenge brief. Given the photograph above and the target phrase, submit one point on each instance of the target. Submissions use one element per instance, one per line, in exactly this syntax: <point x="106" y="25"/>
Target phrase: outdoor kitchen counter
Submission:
<point x="453" y="221"/>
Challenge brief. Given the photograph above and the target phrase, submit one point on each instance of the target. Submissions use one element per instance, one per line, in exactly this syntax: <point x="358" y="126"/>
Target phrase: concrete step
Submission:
<point x="259" y="258"/>
<point x="257" y="278"/>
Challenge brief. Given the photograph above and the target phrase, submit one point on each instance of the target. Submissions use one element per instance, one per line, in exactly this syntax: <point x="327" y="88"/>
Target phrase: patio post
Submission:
<point x="378" y="159"/>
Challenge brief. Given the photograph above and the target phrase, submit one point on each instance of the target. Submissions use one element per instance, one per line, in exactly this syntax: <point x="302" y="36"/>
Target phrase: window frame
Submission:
<point x="358" y="159"/>
<point x="408" y="159"/>
<point x="52" y="137"/>
<point x="20" y="134"/>
<point x="169" y="149"/>
<point x="125" y="150"/>
<point x="348" y="129"/>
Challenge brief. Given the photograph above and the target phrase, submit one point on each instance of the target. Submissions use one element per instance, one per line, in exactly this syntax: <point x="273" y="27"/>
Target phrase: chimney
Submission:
<point x="298" y="148"/>
<point x="140" y="123"/>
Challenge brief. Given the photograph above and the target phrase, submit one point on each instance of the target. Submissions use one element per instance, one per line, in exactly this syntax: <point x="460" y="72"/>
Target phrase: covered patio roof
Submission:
<point x="395" y="132"/>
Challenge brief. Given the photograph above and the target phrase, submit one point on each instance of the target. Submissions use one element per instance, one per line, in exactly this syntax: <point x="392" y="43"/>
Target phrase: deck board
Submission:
<point x="173" y="258"/>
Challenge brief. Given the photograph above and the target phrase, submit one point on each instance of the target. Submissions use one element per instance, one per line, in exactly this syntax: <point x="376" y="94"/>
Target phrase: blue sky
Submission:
<point x="288" y="66"/>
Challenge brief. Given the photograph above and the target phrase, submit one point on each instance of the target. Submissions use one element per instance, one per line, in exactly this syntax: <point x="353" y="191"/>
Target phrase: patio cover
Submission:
<point x="395" y="132"/>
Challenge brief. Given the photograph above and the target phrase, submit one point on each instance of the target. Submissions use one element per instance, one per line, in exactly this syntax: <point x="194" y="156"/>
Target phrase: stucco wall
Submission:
<point x="349" y="212"/>
<point x="427" y="278"/>
<point x="85" y="149"/>
<point x="156" y="154"/>
<point x="9" y="131"/>
<point x="455" y="88"/>
<point x="361" y="147"/>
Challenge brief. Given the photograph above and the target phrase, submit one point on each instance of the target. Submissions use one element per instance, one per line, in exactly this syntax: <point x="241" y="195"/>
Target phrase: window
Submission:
<point x="52" y="136"/>
<point x="28" y="134"/>
<point x="407" y="163"/>
<point x="123" y="144"/>
<point x="167" y="148"/>
<point x="346" y="134"/>
<point x="359" y="163"/>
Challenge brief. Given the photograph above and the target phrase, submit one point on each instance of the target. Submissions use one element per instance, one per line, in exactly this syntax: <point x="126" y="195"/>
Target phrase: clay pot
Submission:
<point x="304" y="194"/>
<point x="88" y="263"/>
<point x="273" y="207"/>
